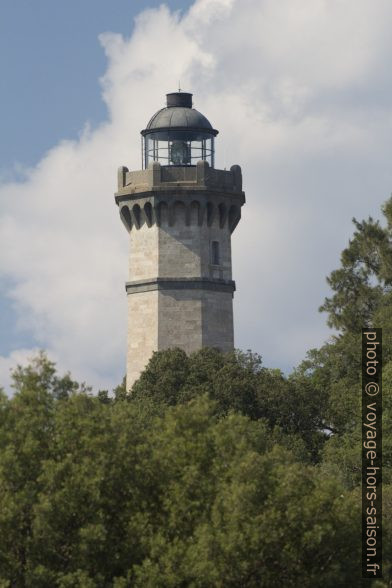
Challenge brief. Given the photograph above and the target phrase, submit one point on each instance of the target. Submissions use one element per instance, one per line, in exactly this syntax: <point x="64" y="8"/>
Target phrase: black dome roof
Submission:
<point x="179" y="114"/>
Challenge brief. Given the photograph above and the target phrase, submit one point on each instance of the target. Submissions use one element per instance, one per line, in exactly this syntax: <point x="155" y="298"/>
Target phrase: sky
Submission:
<point x="301" y="95"/>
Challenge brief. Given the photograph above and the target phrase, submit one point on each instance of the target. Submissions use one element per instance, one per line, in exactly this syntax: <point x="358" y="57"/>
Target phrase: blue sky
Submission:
<point x="301" y="95"/>
<point x="50" y="63"/>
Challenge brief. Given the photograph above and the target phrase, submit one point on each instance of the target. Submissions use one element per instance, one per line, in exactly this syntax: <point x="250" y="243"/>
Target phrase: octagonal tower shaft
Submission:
<point x="180" y="287"/>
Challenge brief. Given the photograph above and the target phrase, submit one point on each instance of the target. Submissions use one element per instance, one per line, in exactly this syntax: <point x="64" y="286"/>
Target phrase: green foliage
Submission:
<point x="25" y="442"/>
<point x="235" y="381"/>
<point x="121" y="492"/>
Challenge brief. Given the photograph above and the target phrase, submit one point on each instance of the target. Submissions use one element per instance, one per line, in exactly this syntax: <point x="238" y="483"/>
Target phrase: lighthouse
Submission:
<point x="180" y="212"/>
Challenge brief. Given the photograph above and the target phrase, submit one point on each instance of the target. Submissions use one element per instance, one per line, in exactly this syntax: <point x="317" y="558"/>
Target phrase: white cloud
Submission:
<point x="300" y="94"/>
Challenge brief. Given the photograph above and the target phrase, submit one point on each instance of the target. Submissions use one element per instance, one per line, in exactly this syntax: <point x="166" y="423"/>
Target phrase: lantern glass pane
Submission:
<point x="183" y="148"/>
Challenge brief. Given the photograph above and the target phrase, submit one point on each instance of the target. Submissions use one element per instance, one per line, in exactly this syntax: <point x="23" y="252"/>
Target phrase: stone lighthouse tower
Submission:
<point x="179" y="212"/>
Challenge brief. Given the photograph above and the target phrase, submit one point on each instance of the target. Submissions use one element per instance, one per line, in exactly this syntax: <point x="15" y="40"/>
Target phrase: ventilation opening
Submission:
<point x="215" y="253"/>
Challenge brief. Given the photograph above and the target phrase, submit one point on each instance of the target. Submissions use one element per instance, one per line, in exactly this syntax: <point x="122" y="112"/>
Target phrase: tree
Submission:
<point x="365" y="275"/>
<point x="26" y="431"/>
<point x="128" y="493"/>
<point x="236" y="381"/>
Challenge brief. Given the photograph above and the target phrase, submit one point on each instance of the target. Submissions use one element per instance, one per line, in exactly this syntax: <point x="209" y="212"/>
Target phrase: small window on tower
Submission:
<point x="215" y="253"/>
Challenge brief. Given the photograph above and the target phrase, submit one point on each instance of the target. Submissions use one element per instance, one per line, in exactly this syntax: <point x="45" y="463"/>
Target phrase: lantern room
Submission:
<point x="178" y="134"/>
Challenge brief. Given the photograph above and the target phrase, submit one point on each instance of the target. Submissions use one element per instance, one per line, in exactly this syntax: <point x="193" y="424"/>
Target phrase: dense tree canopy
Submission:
<point x="214" y="471"/>
<point x="132" y="492"/>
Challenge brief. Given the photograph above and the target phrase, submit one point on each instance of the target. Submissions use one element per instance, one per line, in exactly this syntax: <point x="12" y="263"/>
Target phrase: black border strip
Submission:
<point x="371" y="453"/>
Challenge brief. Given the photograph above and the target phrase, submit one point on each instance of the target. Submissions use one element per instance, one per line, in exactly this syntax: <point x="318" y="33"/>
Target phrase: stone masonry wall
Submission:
<point x="217" y="320"/>
<point x="185" y="251"/>
<point x="142" y="332"/>
<point x="180" y="319"/>
<point x="144" y="253"/>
